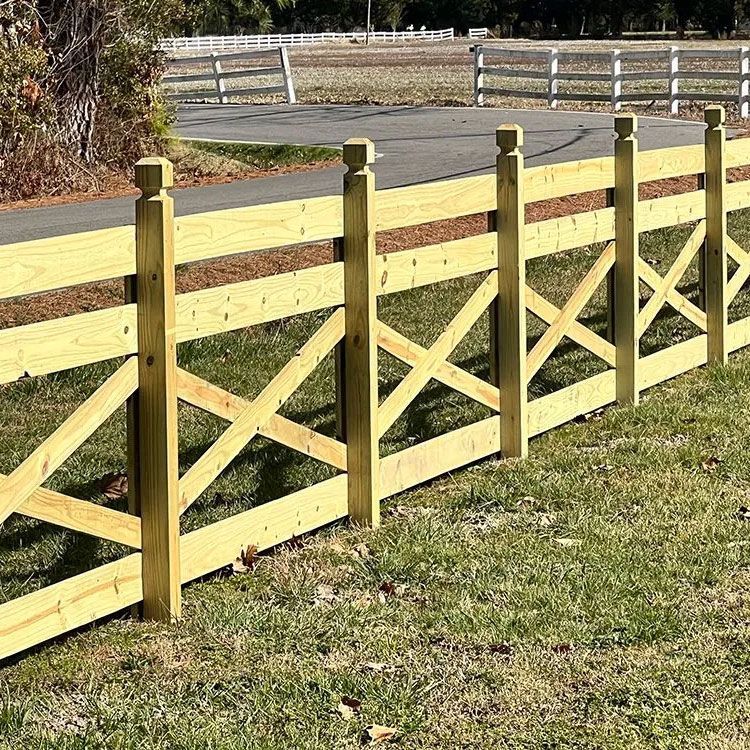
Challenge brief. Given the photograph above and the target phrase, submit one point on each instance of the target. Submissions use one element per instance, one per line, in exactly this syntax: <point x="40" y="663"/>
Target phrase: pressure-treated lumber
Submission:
<point x="672" y="278"/>
<point x="569" y="312"/>
<point x="217" y="545"/>
<point x="229" y="307"/>
<point x="360" y="342"/>
<point x="674" y="298"/>
<point x="409" y="269"/>
<point x="569" y="232"/>
<point x="249" y="422"/>
<point x="626" y="264"/>
<point x="82" y="515"/>
<point x="716" y="230"/>
<point x="434" y="201"/>
<point x="676" y="161"/>
<point x="741" y="275"/>
<point x="211" y="398"/>
<point x="62" y="343"/>
<point x="158" y="470"/>
<point x="424" y="369"/>
<point x="422" y="462"/>
<point x="56" y="262"/>
<point x="576" y="332"/>
<point x="25" y="479"/>
<point x="510" y="325"/>
<point x="240" y="230"/>
<point x="671" y="210"/>
<point x="558" y="180"/>
<point x="446" y="372"/>
<point x="63" y="606"/>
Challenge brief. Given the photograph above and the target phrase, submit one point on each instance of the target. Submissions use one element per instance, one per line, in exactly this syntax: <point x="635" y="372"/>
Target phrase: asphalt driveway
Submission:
<point x="414" y="145"/>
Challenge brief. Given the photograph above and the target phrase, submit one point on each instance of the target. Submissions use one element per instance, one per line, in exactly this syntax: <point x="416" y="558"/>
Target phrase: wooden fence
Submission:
<point x="614" y="77"/>
<point x="146" y="329"/>
<point x="260" y="41"/>
<point x="219" y="77"/>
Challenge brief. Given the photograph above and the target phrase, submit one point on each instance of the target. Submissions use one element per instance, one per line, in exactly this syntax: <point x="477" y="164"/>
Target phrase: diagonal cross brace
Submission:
<point x="424" y="369"/>
<point x="252" y="419"/>
<point x="672" y="278"/>
<point x="742" y="273"/>
<point x="674" y="298"/>
<point x="26" y="478"/>
<point x="570" y="311"/>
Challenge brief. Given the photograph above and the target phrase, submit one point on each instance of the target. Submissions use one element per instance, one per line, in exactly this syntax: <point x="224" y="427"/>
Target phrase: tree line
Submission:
<point x="507" y="18"/>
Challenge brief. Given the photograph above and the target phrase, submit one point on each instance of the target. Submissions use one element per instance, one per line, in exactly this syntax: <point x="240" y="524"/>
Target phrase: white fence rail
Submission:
<point x="616" y="76"/>
<point x="261" y="41"/>
<point x="479" y="33"/>
<point x="221" y="78"/>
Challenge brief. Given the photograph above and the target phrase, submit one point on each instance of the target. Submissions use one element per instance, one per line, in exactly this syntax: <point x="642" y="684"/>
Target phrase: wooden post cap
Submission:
<point x="714" y="116"/>
<point x="154" y="173"/>
<point x="358" y="152"/>
<point x="626" y="125"/>
<point x="509" y="137"/>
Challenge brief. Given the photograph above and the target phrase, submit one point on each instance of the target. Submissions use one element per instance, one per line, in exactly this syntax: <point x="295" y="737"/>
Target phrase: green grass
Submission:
<point x="593" y="596"/>
<point x="264" y="155"/>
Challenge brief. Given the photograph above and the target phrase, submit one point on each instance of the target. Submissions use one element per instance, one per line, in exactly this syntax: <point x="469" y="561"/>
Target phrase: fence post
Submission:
<point x="553" y="62"/>
<point x="616" y="73"/>
<point x="286" y="68"/>
<point x="674" y="80"/>
<point x="218" y="78"/>
<point x="716" y="228"/>
<point x="511" y="307"/>
<point x="478" y="75"/>
<point x="744" y="87"/>
<point x="361" y="340"/>
<point x="627" y="278"/>
<point x="156" y="416"/>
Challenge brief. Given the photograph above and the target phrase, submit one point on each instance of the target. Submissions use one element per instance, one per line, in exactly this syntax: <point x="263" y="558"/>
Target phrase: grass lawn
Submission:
<point x="593" y="596"/>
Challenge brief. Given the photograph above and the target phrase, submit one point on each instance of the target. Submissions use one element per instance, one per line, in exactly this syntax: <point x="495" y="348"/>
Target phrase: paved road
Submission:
<point x="414" y="144"/>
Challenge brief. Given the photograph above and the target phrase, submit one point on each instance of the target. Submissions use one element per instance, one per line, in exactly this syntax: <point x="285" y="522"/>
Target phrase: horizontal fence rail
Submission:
<point x="222" y="80"/>
<point x="667" y="76"/>
<point x="143" y="334"/>
<point x="259" y="41"/>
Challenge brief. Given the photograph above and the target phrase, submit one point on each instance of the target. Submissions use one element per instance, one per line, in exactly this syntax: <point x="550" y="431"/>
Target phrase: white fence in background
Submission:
<point x="260" y="41"/>
<point x="220" y="77"/>
<point x="479" y="33"/>
<point x="623" y="72"/>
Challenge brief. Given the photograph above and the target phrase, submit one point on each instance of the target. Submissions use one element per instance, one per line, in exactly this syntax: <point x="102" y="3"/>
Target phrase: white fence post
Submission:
<point x="553" y="62"/>
<point x="674" y="80"/>
<point x="478" y="76"/>
<point x="616" y="67"/>
<point x="744" y="87"/>
<point x="218" y="79"/>
<point x="286" y="68"/>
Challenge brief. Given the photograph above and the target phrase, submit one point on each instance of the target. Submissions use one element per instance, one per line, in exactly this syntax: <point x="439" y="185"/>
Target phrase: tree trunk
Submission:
<point x="75" y="31"/>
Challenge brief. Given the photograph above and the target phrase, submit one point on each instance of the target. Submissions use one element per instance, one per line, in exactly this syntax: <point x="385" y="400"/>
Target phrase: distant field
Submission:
<point x="440" y="73"/>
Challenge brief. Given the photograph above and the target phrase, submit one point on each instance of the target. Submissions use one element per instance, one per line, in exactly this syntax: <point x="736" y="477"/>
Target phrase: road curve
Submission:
<point x="414" y="145"/>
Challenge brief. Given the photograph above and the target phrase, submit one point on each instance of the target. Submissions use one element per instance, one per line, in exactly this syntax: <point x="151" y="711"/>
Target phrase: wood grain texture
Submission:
<point x="211" y="398"/>
<point x="568" y="178"/>
<point x="63" y="606"/>
<point x="360" y="342"/>
<point x="217" y="545"/>
<point x="569" y="232"/>
<point x="717" y="307"/>
<point x="250" y="421"/>
<point x="25" y="479"/>
<point x="627" y="244"/>
<point x="157" y="427"/>
<point x="511" y="298"/>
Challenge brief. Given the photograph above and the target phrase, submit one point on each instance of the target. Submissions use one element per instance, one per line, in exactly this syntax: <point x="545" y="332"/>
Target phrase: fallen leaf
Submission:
<point x="226" y="356"/>
<point x="348" y="707"/>
<point x="246" y="562"/>
<point x="710" y="464"/>
<point x="389" y="589"/>
<point x="743" y="513"/>
<point x="604" y="467"/>
<point x="377" y="666"/>
<point x="567" y="542"/>
<point x="561" y="648"/>
<point x="114" y="486"/>
<point x="375" y="734"/>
